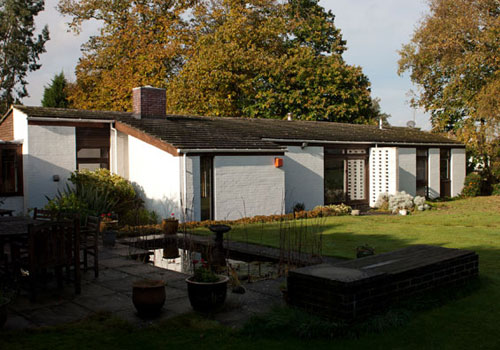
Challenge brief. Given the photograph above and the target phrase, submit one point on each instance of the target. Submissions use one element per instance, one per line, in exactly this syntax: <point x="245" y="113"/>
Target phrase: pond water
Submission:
<point x="181" y="261"/>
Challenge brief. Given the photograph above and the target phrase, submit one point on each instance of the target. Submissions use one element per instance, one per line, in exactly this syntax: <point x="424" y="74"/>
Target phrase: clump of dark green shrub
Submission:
<point x="472" y="185"/>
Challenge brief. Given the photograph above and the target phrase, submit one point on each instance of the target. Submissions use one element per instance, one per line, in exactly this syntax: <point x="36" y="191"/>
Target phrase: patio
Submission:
<point x="112" y="291"/>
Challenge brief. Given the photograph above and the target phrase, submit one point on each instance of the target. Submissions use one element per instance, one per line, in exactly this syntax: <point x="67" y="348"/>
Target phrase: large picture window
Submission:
<point x="11" y="170"/>
<point x="92" y="148"/>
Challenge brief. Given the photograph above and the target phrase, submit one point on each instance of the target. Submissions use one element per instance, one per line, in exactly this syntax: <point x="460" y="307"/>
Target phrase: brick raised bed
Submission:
<point x="357" y="288"/>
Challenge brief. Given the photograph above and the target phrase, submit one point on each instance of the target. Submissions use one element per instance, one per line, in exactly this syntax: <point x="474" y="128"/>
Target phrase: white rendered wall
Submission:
<point x="21" y="134"/>
<point x="304" y="172"/>
<point x="246" y="186"/>
<point x="457" y="167"/>
<point x="191" y="200"/>
<point x="119" y="157"/>
<point x="51" y="151"/>
<point x="434" y="181"/>
<point x="155" y="174"/>
<point x="383" y="172"/>
<point x="14" y="203"/>
<point x="407" y="170"/>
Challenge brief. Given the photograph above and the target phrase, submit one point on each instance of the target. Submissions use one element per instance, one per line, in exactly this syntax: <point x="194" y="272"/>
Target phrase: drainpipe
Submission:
<point x="115" y="149"/>
<point x="185" y="186"/>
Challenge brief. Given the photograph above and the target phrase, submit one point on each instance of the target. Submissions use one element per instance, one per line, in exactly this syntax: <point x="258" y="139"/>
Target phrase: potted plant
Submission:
<point x="108" y="223"/>
<point x="364" y="250"/>
<point x="206" y="290"/>
<point x="4" y="303"/>
<point x="148" y="297"/>
<point x="169" y="226"/>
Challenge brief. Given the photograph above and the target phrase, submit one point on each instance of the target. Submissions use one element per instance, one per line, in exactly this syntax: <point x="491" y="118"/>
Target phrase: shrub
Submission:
<point x="299" y="207"/>
<point x="139" y="216"/>
<point x="496" y="189"/>
<point x="117" y="191"/>
<point x="472" y="185"/>
<point x="400" y="200"/>
<point x="382" y="202"/>
<point x="69" y="202"/>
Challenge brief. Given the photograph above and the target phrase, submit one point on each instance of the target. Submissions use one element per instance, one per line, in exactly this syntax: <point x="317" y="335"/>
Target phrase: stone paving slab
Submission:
<point x="112" y="291"/>
<point x="112" y="302"/>
<point x="62" y="313"/>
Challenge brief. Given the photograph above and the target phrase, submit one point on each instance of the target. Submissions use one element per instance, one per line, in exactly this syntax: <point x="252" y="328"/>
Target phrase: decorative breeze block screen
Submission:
<point x="356" y="178"/>
<point x="383" y="175"/>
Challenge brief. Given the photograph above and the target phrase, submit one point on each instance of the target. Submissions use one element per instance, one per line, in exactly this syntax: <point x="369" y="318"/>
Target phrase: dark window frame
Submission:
<point x="89" y="138"/>
<point x="18" y="169"/>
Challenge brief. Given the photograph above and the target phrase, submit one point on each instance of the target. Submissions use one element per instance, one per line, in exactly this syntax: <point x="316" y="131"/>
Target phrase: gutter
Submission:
<point x="52" y="119"/>
<point x="229" y="150"/>
<point x="376" y="143"/>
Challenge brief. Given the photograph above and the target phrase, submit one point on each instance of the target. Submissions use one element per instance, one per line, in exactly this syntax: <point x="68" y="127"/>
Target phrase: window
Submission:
<point x="422" y="172"/>
<point x="92" y="148"/>
<point x="11" y="170"/>
<point x="445" y="164"/>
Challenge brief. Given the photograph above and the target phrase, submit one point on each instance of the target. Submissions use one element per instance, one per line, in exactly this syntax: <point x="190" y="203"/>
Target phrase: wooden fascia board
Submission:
<point x="69" y="123"/>
<point x="153" y="141"/>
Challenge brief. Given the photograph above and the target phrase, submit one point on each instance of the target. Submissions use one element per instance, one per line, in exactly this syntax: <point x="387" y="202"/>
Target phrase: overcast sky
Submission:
<point x="374" y="31"/>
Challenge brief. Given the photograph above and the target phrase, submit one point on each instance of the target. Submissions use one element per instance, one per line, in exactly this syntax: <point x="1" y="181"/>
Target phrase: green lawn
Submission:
<point x="471" y="321"/>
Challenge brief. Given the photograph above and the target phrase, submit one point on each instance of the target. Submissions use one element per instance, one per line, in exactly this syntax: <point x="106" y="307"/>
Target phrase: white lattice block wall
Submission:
<point x="356" y="178"/>
<point x="383" y="171"/>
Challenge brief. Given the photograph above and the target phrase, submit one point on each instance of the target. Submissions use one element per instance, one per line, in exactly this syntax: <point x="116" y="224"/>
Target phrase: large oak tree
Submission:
<point x="454" y="59"/>
<point x="239" y="58"/>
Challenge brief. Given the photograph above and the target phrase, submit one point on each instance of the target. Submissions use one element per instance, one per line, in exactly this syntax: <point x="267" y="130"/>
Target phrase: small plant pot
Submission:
<point x="148" y="297"/>
<point x="109" y="239"/>
<point x="362" y="253"/>
<point x="170" y="226"/>
<point x="4" y="303"/>
<point x="207" y="297"/>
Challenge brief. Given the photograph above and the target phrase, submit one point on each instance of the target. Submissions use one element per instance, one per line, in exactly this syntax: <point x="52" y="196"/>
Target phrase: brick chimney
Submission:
<point x="149" y="101"/>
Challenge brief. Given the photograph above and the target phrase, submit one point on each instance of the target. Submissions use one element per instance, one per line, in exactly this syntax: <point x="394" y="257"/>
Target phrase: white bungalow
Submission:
<point x="221" y="168"/>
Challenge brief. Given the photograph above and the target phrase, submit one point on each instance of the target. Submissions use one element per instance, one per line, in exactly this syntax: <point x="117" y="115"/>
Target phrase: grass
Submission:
<point x="455" y="321"/>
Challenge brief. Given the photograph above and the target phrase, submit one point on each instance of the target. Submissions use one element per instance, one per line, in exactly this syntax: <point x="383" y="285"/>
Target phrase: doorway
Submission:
<point x="345" y="176"/>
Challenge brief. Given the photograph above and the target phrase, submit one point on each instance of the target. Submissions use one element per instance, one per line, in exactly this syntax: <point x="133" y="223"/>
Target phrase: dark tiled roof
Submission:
<point x="237" y="133"/>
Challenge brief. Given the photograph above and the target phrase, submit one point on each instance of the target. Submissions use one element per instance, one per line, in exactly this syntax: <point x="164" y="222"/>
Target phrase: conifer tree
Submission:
<point x="56" y="95"/>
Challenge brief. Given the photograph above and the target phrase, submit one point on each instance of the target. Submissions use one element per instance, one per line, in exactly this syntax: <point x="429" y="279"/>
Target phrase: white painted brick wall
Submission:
<point x="434" y="173"/>
<point x="407" y="168"/>
<point x="156" y="173"/>
<point x="247" y="186"/>
<point x="51" y="151"/>
<point x="458" y="169"/>
<point x="304" y="177"/>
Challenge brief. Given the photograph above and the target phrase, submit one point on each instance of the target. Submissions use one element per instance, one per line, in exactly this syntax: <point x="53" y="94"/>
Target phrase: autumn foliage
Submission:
<point x="232" y="58"/>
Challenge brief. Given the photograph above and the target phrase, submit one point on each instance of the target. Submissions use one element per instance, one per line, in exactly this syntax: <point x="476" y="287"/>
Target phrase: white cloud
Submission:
<point x="374" y="30"/>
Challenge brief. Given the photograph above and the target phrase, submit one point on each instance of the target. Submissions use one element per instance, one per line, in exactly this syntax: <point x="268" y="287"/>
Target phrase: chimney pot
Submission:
<point x="148" y="101"/>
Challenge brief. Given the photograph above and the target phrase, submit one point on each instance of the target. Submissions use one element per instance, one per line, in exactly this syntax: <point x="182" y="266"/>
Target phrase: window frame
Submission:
<point x="19" y="169"/>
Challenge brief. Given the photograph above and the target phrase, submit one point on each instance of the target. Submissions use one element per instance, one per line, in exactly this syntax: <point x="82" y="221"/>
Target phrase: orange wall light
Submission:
<point x="278" y="162"/>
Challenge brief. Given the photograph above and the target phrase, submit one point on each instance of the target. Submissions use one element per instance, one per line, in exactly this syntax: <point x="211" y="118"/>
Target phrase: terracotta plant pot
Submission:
<point x="207" y="297"/>
<point x="148" y="297"/>
<point x="169" y="226"/>
<point x="109" y="238"/>
<point x="4" y="303"/>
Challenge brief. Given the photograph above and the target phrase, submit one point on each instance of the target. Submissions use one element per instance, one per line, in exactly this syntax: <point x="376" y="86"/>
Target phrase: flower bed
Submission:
<point x="319" y="211"/>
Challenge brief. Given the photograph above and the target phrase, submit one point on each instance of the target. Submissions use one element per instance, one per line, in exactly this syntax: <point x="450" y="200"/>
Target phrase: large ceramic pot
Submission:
<point x="207" y="296"/>
<point x="109" y="238"/>
<point x="169" y="226"/>
<point x="4" y="303"/>
<point x="148" y="297"/>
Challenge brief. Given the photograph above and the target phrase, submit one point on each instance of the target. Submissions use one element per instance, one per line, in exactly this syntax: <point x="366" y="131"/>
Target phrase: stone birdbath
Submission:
<point x="218" y="256"/>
